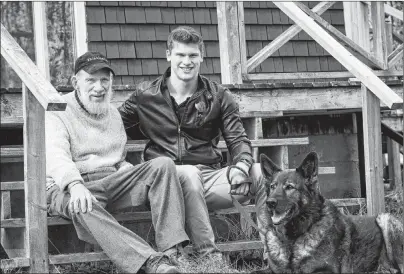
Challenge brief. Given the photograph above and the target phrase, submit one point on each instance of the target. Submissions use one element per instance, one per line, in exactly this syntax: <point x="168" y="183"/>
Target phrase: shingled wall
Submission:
<point x="133" y="36"/>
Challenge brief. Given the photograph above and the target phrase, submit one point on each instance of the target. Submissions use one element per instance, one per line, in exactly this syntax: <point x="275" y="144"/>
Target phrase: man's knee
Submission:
<point x="163" y="162"/>
<point x="190" y="178"/>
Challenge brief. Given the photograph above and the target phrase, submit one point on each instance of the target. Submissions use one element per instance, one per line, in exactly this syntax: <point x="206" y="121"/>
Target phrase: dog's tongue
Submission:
<point x="277" y="218"/>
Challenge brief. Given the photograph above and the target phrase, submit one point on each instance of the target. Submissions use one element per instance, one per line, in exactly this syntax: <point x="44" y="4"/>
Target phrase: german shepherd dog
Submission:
<point x="309" y="234"/>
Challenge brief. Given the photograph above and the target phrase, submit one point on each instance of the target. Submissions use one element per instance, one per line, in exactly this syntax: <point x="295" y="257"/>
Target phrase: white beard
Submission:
<point x="97" y="108"/>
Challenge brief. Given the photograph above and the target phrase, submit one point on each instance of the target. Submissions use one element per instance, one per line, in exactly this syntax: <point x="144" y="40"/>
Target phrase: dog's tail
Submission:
<point x="392" y="230"/>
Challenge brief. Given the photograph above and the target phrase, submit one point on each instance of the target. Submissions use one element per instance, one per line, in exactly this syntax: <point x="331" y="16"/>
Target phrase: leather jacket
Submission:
<point x="211" y="110"/>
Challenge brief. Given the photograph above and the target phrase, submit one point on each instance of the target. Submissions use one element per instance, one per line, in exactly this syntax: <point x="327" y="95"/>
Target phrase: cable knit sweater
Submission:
<point x="77" y="142"/>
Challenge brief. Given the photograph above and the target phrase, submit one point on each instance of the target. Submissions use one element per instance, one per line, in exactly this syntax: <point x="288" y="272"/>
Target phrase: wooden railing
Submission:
<point x="38" y="96"/>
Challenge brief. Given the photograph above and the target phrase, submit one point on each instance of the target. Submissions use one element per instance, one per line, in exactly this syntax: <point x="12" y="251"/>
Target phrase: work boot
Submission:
<point x="160" y="264"/>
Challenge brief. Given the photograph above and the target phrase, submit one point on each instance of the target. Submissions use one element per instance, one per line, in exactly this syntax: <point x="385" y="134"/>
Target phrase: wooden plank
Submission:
<point x="79" y="29"/>
<point x="282" y="39"/>
<point x="29" y="73"/>
<point x="395" y="56"/>
<point x="361" y="71"/>
<point x="316" y="75"/>
<point x="393" y="151"/>
<point x="393" y="12"/>
<point x="36" y="235"/>
<point x="41" y="38"/>
<point x="14" y="263"/>
<point x="398" y="37"/>
<point x="242" y="39"/>
<point x="229" y="42"/>
<point x="391" y="133"/>
<point x="363" y="55"/>
<point x="379" y="33"/>
<point x="373" y="154"/>
<point x="9" y="186"/>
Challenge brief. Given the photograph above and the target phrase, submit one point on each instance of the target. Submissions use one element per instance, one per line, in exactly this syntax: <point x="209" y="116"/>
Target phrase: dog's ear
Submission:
<point x="268" y="168"/>
<point x="309" y="166"/>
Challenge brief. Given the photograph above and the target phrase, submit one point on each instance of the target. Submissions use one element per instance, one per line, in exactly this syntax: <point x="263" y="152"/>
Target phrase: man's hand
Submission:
<point x="80" y="198"/>
<point x="240" y="185"/>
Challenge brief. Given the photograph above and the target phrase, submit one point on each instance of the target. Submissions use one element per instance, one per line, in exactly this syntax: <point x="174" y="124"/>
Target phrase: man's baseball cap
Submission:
<point x="91" y="61"/>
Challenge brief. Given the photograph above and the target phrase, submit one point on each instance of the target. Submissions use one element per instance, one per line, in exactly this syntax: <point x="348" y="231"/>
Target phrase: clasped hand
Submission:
<point x="80" y="198"/>
<point x="240" y="185"/>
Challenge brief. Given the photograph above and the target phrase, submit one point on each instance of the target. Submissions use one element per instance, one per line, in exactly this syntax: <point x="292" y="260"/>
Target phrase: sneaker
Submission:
<point x="160" y="264"/>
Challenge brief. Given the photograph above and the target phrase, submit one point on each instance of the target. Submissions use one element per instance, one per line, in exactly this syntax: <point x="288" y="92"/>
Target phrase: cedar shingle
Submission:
<point x="254" y="4"/>
<point x="119" y="66"/>
<point x="300" y="48"/>
<point x="337" y="6"/>
<point x="147" y="33"/>
<point x="286" y="50"/>
<point x="313" y="63"/>
<point x="247" y="30"/>
<point x="259" y="32"/>
<point x="253" y="47"/>
<point x="197" y="28"/>
<point x="92" y="3"/>
<point x="304" y="36"/>
<point x="153" y="15"/>
<point x="109" y="3"/>
<point x="159" y="49"/>
<point x="144" y="49"/>
<point x="173" y="4"/>
<point x="276" y="17"/>
<point x="247" y="4"/>
<point x="189" y="16"/>
<point x="111" y="32"/>
<point x="301" y="63"/>
<point x="323" y="63"/>
<point x="333" y="65"/>
<point x="268" y="65"/>
<point x="250" y="16"/>
<point x="127" y="3"/>
<point x="126" y="50"/>
<point x="97" y="46"/>
<point x="201" y="16"/>
<point x="209" y="32"/>
<point x="263" y="4"/>
<point x="168" y="15"/>
<point x="94" y="33"/>
<point x="145" y="3"/>
<point x="271" y="5"/>
<point x="264" y="16"/>
<point x="213" y="15"/>
<point x="112" y="50"/>
<point x="337" y="17"/>
<point x="127" y="80"/>
<point x="159" y="4"/>
<point x="137" y="79"/>
<point x="135" y="15"/>
<point x="206" y="66"/>
<point x="163" y="65"/>
<point x="162" y="32"/>
<point x="284" y="18"/>
<point x="210" y="4"/>
<point x="149" y="66"/>
<point x="320" y="50"/>
<point x="117" y="80"/>
<point x="135" y="67"/>
<point x="278" y="64"/>
<point x="327" y="16"/>
<point x="200" y="4"/>
<point x="216" y="65"/>
<point x="95" y="15"/>
<point x="115" y="14"/>
<point x="212" y="49"/>
<point x="188" y="4"/>
<point x="129" y="32"/>
<point x="274" y="31"/>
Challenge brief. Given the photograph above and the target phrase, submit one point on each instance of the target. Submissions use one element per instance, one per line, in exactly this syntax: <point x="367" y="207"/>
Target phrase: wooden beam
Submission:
<point x="79" y="29"/>
<point x="282" y="39"/>
<point x="41" y="38"/>
<point x="29" y="73"/>
<point x="36" y="241"/>
<point x="379" y="33"/>
<point x="393" y="12"/>
<point x="391" y="133"/>
<point x="243" y="43"/>
<point x="229" y="42"/>
<point x="316" y="75"/>
<point x="393" y="152"/>
<point x="395" y="56"/>
<point x="398" y="37"/>
<point x="359" y="52"/>
<point x="361" y="71"/>
<point x="372" y="140"/>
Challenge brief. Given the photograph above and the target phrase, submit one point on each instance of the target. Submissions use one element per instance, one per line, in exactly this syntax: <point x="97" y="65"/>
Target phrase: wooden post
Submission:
<point x="36" y="227"/>
<point x="41" y="38"/>
<point x="356" y="16"/>
<point x="379" y="33"/>
<point x="79" y="29"/>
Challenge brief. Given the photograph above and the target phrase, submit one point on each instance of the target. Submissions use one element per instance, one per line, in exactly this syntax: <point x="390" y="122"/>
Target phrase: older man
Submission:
<point x="85" y="157"/>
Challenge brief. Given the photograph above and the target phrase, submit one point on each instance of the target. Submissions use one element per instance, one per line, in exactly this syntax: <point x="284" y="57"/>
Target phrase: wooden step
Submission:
<point x="101" y="256"/>
<point x="142" y="216"/>
<point x="16" y="153"/>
